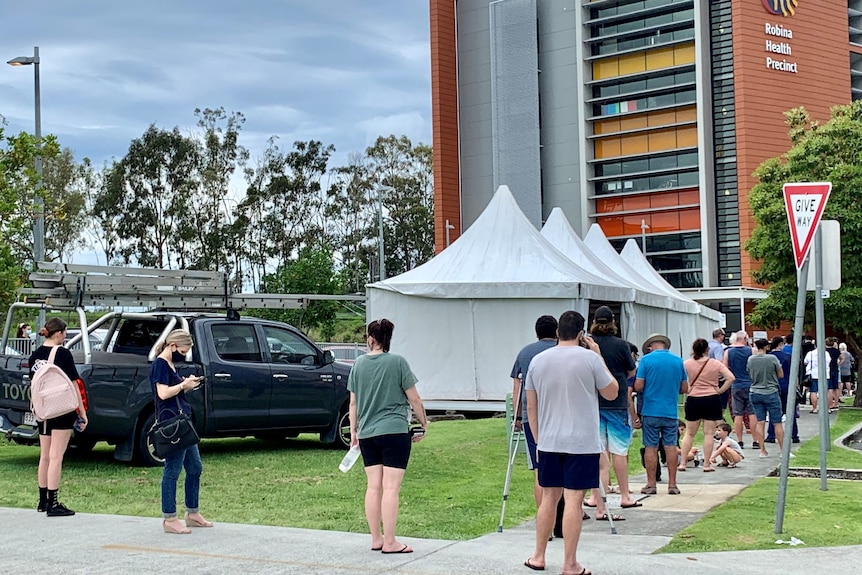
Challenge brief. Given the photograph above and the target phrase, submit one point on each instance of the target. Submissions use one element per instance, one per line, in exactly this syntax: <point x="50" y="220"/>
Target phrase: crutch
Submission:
<point x="608" y="513"/>
<point x="512" y="454"/>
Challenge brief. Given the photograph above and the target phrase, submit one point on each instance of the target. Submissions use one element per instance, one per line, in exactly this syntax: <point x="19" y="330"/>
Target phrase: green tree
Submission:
<point x="145" y="201"/>
<point x="829" y="152"/>
<point x="311" y="272"/>
<point x="212" y="219"/>
<point x="65" y="184"/>
<point x="282" y="210"/>
<point x="409" y="205"/>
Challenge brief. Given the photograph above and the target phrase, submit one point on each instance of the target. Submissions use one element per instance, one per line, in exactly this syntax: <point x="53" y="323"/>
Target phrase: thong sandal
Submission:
<point x="614" y="516"/>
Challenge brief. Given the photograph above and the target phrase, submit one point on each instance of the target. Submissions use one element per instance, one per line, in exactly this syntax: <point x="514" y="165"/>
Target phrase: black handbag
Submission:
<point x="173" y="435"/>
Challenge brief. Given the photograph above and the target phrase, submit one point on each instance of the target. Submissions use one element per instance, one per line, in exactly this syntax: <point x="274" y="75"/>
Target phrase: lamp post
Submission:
<point x="644" y="228"/>
<point x="39" y="215"/>
<point x="380" y="253"/>
<point x="448" y="227"/>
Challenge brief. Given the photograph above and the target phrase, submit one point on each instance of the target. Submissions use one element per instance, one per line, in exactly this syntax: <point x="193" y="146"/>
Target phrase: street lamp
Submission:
<point x="381" y="260"/>
<point x="644" y="228"/>
<point x="39" y="215"/>
<point x="448" y="227"/>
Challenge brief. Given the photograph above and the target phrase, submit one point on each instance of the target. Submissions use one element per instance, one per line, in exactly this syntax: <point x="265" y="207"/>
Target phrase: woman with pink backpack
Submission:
<point x="55" y="432"/>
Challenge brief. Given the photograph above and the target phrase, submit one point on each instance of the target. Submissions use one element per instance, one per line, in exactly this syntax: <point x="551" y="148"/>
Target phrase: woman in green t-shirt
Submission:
<point x="382" y="386"/>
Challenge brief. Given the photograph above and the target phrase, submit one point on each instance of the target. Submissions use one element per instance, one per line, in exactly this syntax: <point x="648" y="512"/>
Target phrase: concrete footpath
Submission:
<point x="94" y="544"/>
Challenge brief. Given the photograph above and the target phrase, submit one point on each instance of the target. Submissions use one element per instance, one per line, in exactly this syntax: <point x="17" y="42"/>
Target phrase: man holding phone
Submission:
<point x="563" y="384"/>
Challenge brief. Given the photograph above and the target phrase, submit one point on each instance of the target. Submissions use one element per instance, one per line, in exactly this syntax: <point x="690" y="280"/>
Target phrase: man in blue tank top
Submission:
<point x="736" y="359"/>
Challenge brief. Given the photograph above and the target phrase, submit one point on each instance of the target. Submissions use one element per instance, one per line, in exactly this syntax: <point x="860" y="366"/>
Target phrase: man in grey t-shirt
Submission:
<point x="563" y="385"/>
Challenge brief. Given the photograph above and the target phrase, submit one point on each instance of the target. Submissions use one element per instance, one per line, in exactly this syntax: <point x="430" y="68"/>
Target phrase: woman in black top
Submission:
<point x="54" y="433"/>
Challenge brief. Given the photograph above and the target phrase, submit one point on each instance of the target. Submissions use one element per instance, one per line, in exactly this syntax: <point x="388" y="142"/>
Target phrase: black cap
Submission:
<point x="603" y="315"/>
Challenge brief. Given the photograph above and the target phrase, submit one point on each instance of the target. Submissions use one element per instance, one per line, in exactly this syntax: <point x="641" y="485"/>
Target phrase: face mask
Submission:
<point x="178" y="357"/>
<point x="27" y="332"/>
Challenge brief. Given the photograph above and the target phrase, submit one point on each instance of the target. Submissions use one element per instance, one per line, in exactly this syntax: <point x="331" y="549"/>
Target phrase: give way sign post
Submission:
<point x="804" y="202"/>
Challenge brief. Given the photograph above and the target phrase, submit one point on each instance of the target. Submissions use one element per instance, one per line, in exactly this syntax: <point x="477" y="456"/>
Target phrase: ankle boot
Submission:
<point x="55" y="508"/>
<point x="43" y="500"/>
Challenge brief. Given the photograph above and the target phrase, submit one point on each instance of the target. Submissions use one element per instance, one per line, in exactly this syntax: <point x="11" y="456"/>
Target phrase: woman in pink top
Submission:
<point x="703" y="403"/>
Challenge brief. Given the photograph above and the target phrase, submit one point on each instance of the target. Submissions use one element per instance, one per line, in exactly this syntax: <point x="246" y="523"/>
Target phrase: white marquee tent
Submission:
<point x="461" y="318"/>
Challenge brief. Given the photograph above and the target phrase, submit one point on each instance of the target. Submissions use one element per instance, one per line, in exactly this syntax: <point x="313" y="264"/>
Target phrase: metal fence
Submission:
<point x="22" y="346"/>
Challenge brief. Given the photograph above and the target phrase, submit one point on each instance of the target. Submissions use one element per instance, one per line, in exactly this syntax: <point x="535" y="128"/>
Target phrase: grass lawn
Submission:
<point x="819" y="518"/>
<point x="452" y="490"/>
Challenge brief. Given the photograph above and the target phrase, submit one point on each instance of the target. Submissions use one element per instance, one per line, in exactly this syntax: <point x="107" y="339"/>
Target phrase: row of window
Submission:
<point x="663" y="242"/>
<point x="680" y="98"/>
<point x="643" y="121"/>
<point x="642" y="23"/>
<point x="676" y="220"/>
<point x="623" y="8"/>
<point x="651" y="82"/>
<point x="648" y="201"/>
<point x="646" y="61"/>
<point x="665" y="181"/>
<point x="644" y="40"/>
<point x="656" y="163"/>
<point x="646" y="142"/>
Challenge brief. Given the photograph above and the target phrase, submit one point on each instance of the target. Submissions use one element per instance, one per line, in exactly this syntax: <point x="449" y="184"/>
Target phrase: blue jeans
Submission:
<point x="190" y="459"/>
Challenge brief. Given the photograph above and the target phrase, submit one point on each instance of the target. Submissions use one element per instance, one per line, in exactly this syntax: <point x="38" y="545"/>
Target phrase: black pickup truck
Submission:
<point x="261" y="378"/>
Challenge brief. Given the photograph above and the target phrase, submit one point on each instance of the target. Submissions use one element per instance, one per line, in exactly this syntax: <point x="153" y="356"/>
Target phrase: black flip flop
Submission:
<point x="402" y="550"/>
<point x="631" y="505"/>
<point x="533" y="567"/>
<point x="605" y="518"/>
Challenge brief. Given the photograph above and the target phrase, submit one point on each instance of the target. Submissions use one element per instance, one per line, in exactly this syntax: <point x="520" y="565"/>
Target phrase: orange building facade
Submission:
<point x="651" y="115"/>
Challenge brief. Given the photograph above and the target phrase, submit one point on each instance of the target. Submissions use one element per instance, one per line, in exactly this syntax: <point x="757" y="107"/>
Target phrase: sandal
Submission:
<point x="649" y="490"/>
<point x="174" y="530"/>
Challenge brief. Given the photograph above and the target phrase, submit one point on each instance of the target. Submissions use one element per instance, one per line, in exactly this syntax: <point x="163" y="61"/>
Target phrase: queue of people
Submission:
<point x="580" y="397"/>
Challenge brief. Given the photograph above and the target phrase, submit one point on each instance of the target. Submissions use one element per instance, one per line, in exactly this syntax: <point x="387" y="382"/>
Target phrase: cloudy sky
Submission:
<point x="340" y="71"/>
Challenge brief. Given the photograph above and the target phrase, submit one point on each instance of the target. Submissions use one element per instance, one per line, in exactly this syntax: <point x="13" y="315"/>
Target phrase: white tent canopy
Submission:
<point x="461" y="318"/>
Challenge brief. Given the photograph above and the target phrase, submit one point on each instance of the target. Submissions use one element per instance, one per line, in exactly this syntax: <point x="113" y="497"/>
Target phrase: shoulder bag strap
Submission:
<point x="53" y="354"/>
<point x="700" y="371"/>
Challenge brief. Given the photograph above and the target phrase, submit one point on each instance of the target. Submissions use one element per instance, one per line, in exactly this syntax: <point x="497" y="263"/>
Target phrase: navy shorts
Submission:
<point x="532" y="450"/>
<point x="833" y="383"/>
<point x="386" y="450"/>
<point x="767" y="403"/>
<point x="813" y="387"/>
<point x="569" y="471"/>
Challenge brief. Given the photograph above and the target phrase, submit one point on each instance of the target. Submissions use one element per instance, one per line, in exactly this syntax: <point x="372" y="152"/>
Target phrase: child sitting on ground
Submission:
<point x="728" y="449"/>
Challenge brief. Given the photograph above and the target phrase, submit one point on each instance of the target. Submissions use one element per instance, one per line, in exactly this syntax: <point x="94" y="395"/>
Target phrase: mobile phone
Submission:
<point x="417" y="431"/>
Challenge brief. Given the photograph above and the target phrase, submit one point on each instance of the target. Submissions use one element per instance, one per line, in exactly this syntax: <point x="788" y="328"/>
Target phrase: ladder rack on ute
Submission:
<point x="70" y="286"/>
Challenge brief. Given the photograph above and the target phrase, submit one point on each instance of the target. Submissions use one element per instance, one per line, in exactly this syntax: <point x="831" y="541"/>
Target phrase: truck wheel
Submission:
<point x="143" y="448"/>
<point x="342" y="436"/>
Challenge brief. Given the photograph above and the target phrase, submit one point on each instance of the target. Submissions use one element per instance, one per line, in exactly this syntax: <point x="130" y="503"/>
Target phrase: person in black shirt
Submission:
<point x="54" y="433"/>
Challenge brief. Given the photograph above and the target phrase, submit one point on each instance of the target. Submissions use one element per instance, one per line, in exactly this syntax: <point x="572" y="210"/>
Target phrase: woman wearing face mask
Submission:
<point x="169" y="389"/>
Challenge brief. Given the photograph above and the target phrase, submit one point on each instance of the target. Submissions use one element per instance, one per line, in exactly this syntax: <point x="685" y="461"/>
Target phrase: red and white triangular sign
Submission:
<point x="804" y="202"/>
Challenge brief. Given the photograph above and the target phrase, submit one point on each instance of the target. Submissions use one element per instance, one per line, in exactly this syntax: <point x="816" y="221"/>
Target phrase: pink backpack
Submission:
<point x="52" y="393"/>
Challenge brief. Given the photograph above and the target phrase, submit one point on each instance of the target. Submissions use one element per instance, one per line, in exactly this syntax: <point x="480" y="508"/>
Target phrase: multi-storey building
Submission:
<point x="646" y="116"/>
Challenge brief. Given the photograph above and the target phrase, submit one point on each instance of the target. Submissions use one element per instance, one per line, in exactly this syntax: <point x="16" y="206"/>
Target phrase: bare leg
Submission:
<point x="761" y="425"/>
<point x="621" y="469"/>
<point x="755" y="433"/>
<point x="738" y="428"/>
<point x="392" y="478"/>
<point x="537" y="491"/>
<point x="813" y="397"/>
<point x="595" y="499"/>
<point x="545" y="518"/>
<point x="708" y="443"/>
<point x="373" y="503"/>
<point x="671" y="452"/>
<point x="572" y="523"/>
<point x="651" y="460"/>
<point x="691" y="428"/>
<point x="779" y="434"/>
<point x="44" y="458"/>
<point x="59" y="441"/>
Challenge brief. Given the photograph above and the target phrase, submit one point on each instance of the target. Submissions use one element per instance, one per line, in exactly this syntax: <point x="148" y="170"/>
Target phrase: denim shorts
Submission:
<point x="764" y="403"/>
<point x="615" y="430"/>
<point x="655" y="429"/>
<point x="813" y="387"/>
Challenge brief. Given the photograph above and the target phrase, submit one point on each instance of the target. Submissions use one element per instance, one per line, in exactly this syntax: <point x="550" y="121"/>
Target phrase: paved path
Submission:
<point x="110" y="544"/>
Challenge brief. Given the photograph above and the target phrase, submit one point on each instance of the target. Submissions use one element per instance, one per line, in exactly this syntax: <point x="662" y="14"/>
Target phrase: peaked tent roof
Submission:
<point x="599" y="244"/>
<point x="635" y="258"/>
<point x="502" y="256"/>
<point x="559" y="232"/>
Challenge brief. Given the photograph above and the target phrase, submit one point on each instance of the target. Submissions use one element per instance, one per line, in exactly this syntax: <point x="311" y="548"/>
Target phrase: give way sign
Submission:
<point x="804" y="202"/>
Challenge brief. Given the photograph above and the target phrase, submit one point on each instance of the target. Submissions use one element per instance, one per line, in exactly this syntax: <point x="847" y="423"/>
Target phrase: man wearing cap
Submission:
<point x="661" y="377"/>
<point x="615" y="416"/>
<point x="563" y="384"/>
